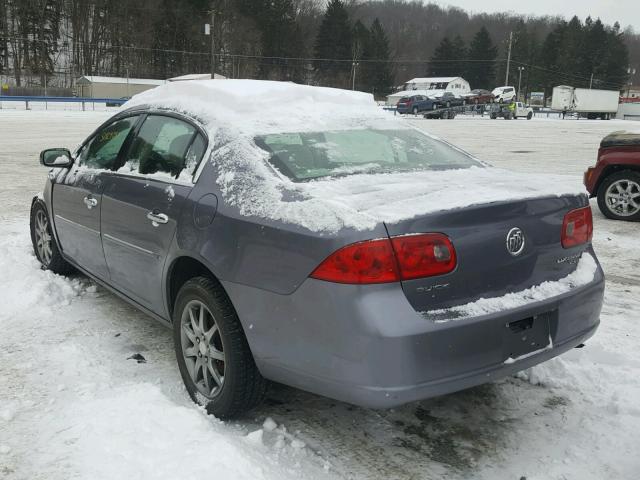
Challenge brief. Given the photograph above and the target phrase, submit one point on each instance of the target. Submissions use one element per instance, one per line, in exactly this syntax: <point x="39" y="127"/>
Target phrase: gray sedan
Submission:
<point x="375" y="265"/>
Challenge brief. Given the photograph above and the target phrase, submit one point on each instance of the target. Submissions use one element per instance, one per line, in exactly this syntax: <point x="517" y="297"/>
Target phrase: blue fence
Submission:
<point x="110" y="102"/>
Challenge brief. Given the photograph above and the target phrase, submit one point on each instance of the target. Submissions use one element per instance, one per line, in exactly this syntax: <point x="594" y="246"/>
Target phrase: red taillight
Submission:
<point x="577" y="227"/>
<point x="364" y="262"/>
<point x="389" y="260"/>
<point x="424" y="255"/>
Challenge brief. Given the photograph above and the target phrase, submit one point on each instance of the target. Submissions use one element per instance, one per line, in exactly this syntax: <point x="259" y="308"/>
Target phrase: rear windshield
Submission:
<point x="305" y="156"/>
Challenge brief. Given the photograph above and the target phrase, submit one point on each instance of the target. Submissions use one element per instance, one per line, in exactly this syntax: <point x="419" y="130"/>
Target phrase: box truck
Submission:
<point x="585" y="101"/>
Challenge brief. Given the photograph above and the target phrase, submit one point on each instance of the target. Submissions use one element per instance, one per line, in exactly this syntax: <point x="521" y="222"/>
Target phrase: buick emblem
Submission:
<point x="515" y="241"/>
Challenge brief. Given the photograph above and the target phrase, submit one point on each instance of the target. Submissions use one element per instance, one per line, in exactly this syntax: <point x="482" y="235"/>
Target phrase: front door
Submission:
<point x="76" y="203"/>
<point x="141" y="203"/>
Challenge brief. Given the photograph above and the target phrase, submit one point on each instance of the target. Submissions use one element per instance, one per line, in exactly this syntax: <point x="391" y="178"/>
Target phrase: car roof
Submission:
<point x="257" y="106"/>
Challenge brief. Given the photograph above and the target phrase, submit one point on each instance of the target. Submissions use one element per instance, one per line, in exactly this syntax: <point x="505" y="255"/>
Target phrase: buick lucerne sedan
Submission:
<point x="310" y="238"/>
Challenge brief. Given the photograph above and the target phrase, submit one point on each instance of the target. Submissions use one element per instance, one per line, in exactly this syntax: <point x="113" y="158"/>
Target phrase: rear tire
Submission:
<point x="415" y="110"/>
<point x="629" y="181"/>
<point x="214" y="358"/>
<point x="529" y="115"/>
<point x="44" y="244"/>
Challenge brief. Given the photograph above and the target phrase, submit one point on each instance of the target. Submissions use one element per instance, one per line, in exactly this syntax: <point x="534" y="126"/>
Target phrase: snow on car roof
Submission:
<point x="258" y="106"/>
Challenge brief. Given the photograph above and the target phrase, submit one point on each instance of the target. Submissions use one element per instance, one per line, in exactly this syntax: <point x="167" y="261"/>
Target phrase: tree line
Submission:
<point x="370" y="45"/>
<point x="587" y="54"/>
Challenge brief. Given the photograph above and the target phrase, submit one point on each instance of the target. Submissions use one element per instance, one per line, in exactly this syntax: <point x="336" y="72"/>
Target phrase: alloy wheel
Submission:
<point x="623" y="198"/>
<point x="43" y="238"/>
<point x="202" y="348"/>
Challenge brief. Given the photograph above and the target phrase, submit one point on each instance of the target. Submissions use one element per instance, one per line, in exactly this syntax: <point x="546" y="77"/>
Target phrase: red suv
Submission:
<point x="615" y="179"/>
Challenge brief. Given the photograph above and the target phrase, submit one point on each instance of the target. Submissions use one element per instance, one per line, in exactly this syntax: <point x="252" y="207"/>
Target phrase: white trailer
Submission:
<point x="585" y="102"/>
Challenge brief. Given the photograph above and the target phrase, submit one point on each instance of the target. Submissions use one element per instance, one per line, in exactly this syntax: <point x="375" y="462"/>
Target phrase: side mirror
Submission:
<point x="56" y="157"/>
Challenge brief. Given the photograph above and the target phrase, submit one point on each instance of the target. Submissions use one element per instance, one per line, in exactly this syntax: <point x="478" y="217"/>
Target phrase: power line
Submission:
<point x="264" y="60"/>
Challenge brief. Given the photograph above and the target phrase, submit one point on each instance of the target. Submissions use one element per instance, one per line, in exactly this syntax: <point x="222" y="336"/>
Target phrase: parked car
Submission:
<point x="449" y="99"/>
<point x="615" y="178"/>
<point x="479" y="97"/>
<point x="415" y="104"/>
<point x="504" y="94"/>
<point x="342" y="252"/>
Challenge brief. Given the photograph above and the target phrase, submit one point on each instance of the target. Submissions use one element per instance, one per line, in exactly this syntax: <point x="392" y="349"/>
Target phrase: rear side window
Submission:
<point x="194" y="154"/>
<point x="102" y="150"/>
<point x="160" y="146"/>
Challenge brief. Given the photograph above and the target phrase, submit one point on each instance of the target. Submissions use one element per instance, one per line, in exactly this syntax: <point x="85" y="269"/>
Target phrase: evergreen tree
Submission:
<point x="280" y="37"/>
<point x="616" y="75"/>
<point x="360" y="46"/>
<point x="460" y="56"/>
<point x="378" y="71"/>
<point x="524" y="50"/>
<point x="548" y="59"/>
<point x="334" y="42"/>
<point x="439" y="65"/>
<point x="480" y="70"/>
<point x="448" y="59"/>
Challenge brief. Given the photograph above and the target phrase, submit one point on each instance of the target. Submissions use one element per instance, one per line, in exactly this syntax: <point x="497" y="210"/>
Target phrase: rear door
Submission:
<point x="76" y="203"/>
<point x="141" y="203"/>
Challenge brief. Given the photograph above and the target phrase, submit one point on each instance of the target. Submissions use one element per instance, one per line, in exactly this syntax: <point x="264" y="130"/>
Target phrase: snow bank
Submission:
<point x="28" y="287"/>
<point x="235" y="111"/>
<point x="582" y="275"/>
<point x="73" y="406"/>
<point x="135" y="431"/>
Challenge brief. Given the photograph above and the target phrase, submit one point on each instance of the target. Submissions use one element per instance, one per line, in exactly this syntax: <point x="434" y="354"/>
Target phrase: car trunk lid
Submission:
<point x="485" y="265"/>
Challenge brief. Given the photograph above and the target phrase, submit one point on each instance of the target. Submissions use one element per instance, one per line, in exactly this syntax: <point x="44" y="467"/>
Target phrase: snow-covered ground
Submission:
<point x="72" y="405"/>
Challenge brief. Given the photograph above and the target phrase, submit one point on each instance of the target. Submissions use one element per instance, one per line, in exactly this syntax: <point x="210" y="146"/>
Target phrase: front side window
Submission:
<point x="160" y="146"/>
<point x="102" y="150"/>
<point x="306" y="156"/>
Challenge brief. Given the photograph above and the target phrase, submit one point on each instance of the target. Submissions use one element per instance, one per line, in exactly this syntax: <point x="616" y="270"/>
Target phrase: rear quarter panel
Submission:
<point x="257" y="252"/>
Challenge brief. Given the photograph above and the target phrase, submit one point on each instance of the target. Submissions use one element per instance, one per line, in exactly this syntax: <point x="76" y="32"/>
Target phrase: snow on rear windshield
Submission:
<point x="309" y="155"/>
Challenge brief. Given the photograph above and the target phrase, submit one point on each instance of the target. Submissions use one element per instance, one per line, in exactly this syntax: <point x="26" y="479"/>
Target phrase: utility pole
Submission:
<point x="591" y="81"/>
<point x="354" y="65"/>
<point x="520" y="69"/>
<point x="209" y="29"/>
<point x="506" y="75"/>
<point x="632" y="73"/>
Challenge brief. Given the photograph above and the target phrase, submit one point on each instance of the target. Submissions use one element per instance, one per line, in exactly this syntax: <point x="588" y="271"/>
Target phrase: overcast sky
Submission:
<point x="627" y="12"/>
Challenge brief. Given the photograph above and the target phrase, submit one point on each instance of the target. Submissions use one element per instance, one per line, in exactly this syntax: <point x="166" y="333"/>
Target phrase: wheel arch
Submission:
<point x="182" y="269"/>
<point x="610" y="170"/>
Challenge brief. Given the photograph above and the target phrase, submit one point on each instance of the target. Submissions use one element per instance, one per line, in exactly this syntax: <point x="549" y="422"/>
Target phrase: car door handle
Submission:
<point x="90" y="202"/>
<point x="157" y="218"/>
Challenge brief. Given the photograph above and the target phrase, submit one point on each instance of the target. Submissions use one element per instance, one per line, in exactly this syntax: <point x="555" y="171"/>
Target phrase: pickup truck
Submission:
<point x="509" y="112"/>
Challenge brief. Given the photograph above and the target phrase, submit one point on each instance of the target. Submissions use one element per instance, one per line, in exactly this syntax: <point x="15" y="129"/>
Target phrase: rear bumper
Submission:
<point x="367" y="346"/>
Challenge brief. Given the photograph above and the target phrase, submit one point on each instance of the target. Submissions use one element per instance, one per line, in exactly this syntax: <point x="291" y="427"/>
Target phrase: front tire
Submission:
<point x="44" y="245"/>
<point x="215" y="362"/>
<point x="619" y="196"/>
